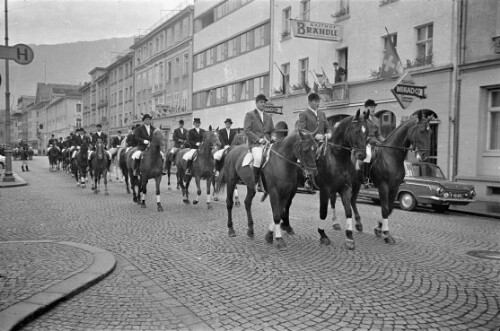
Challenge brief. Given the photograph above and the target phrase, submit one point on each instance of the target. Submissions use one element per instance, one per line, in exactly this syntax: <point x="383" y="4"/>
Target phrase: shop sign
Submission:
<point x="316" y="30"/>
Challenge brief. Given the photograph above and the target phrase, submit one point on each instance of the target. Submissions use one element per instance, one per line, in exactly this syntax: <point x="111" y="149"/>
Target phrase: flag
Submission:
<point x="308" y="89"/>
<point x="391" y="65"/>
<point x="326" y="80"/>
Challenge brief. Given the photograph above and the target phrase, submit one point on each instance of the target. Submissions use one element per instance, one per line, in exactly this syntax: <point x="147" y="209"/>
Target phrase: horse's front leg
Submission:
<point x="346" y="195"/>
<point x="333" y="201"/>
<point x="274" y="226"/>
<point x="185" y="189"/>
<point x="143" y="191"/>
<point x="197" y="181"/>
<point x="285" y="216"/>
<point x="209" y="183"/>
<point x="387" y="207"/>
<point x="323" y="211"/>
<point x="248" y="208"/>
<point x="354" y="206"/>
<point x="158" y="199"/>
<point x="229" y="206"/>
<point x="106" y="183"/>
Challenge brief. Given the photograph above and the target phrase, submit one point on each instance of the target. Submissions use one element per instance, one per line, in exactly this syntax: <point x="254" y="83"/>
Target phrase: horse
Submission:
<point x="387" y="165"/>
<point x="150" y="167"/>
<point x="336" y="171"/>
<point x="121" y="156"/>
<point x="203" y="166"/>
<point x="169" y="160"/>
<point x="79" y="165"/>
<point x="240" y="138"/>
<point x="279" y="175"/>
<point x="99" y="164"/>
<point x="54" y="155"/>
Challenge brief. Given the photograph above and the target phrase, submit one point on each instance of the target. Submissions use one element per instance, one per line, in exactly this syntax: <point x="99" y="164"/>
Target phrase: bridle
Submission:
<point x="300" y="165"/>
<point x="351" y="148"/>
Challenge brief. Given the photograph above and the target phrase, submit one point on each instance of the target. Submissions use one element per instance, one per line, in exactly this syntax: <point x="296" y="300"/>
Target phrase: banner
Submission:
<point x="316" y="30"/>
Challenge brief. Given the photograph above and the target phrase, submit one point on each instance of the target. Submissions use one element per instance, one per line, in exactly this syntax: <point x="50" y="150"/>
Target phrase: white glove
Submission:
<point x="261" y="141"/>
<point x="319" y="136"/>
<point x="197" y="144"/>
<point x="328" y="136"/>
<point x="146" y="142"/>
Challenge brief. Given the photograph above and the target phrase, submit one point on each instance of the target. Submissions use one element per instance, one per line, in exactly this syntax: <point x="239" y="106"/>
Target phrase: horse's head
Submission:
<point x="420" y="136"/>
<point x="157" y="139"/>
<point x="99" y="146"/>
<point x="305" y="151"/>
<point x="352" y="133"/>
<point x="211" y="141"/>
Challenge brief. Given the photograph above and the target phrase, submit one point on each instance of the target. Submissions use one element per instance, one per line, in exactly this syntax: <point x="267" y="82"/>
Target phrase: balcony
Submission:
<point x="335" y="94"/>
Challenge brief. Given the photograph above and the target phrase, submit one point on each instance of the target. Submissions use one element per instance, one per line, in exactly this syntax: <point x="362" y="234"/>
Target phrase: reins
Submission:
<point x="301" y="166"/>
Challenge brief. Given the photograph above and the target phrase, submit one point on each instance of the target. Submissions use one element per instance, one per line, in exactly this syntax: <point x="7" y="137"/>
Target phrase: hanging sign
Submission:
<point x="406" y="91"/>
<point x="316" y="30"/>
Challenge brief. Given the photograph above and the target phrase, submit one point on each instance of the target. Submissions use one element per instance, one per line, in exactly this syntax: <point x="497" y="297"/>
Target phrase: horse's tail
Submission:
<point x="221" y="181"/>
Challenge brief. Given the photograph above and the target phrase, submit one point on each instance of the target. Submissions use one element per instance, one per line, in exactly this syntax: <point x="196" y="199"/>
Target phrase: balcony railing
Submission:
<point x="338" y="93"/>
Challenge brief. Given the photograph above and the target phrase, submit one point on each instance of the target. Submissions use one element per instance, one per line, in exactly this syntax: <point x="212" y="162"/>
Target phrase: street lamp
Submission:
<point x="8" y="177"/>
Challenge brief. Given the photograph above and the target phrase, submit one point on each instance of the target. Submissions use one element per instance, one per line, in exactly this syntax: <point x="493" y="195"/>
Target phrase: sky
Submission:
<point x="61" y="21"/>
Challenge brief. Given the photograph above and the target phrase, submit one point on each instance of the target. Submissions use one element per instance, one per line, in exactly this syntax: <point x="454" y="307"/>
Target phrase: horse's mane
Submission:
<point x="157" y="138"/>
<point x="400" y="128"/>
<point x="342" y="127"/>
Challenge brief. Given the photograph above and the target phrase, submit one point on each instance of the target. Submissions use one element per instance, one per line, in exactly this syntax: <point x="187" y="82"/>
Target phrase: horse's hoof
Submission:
<point x="378" y="232"/>
<point x="237" y="203"/>
<point x="231" y="232"/>
<point x="143" y="204"/>
<point x="169" y="188"/>
<point x="135" y="199"/>
<point x="280" y="243"/>
<point x="195" y="202"/>
<point x="96" y="191"/>
<point x="389" y="240"/>
<point x="106" y="193"/>
<point x="337" y="227"/>
<point x="269" y="237"/>
<point x="325" y="241"/>
<point x="128" y="191"/>
<point x="250" y="233"/>
<point x="216" y="198"/>
<point x="186" y="201"/>
<point x="209" y="206"/>
<point x="288" y="229"/>
<point x="160" y="208"/>
<point x="349" y="243"/>
<point x="359" y="227"/>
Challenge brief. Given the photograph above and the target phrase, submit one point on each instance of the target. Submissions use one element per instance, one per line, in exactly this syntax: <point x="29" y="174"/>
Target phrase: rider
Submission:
<point x="94" y="138"/>
<point x="79" y="139"/>
<point x="115" y="143"/>
<point x="52" y="142"/>
<point x="226" y="137"/>
<point x="143" y="134"/>
<point x="259" y="129"/>
<point x="195" y="137"/>
<point x="374" y="139"/>
<point x="314" y="121"/>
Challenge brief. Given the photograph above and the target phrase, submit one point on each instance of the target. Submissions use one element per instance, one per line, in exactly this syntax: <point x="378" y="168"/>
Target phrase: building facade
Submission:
<point x="121" y="94"/>
<point x="98" y="96"/>
<point x="231" y="65"/>
<point x="477" y="116"/>
<point x="163" y="72"/>
<point x="27" y="122"/>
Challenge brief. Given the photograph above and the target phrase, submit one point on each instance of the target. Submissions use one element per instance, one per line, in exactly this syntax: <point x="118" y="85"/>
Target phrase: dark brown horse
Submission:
<point x="54" y="158"/>
<point x="297" y="150"/>
<point x="79" y="166"/>
<point x="150" y="167"/>
<point x="99" y="164"/>
<point x="121" y="156"/>
<point x="203" y="166"/>
<point x="336" y="171"/>
<point x="387" y="165"/>
<point x="169" y="160"/>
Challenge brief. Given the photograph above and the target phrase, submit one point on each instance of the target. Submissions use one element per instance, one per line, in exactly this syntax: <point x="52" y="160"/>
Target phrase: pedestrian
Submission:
<point x="195" y="137"/>
<point x="52" y="142"/>
<point x="23" y="146"/>
<point x="314" y="121"/>
<point x="259" y="129"/>
<point x="340" y="73"/>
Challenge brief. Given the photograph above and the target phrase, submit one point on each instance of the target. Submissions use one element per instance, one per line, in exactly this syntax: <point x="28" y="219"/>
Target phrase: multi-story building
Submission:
<point x="27" y="121"/>
<point x="231" y="47"/>
<point x="97" y="113"/>
<point x="121" y="94"/>
<point x="85" y="91"/>
<point x="163" y="71"/>
<point x="477" y="115"/>
<point x="56" y="107"/>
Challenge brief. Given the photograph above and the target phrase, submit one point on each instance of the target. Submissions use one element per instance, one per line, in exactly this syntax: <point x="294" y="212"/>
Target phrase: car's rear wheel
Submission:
<point x="440" y="208"/>
<point x="407" y="201"/>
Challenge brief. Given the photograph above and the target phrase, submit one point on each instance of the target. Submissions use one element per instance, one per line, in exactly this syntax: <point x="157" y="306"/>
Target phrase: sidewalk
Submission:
<point x="36" y="275"/>
<point x="481" y="208"/>
<point x="19" y="181"/>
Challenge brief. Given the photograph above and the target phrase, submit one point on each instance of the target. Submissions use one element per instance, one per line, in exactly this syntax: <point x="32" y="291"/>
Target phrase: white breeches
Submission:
<point x="92" y="153"/>
<point x="218" y="154"/>
<point x="368" y="153"/>
<point x="113" y="150"/>
<point x="189" y="154"/>
<point x="257" y="156"/>
<point x="137" y="155"/>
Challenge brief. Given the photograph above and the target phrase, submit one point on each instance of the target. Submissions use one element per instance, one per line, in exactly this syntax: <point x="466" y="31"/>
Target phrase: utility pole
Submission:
<point x="9" y="177"/>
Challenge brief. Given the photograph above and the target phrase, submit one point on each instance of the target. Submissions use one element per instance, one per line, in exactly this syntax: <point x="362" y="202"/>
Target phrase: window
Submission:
<point x="210" y="56"/>
<point x="177" y="72"/>
<point x="494" y="120"/>
<point x="260" y="36"/>
<point x="258" y="86"/>
<point x="424" y="44"/>
<point x="231" y="48"/>
<point x="243" y="43"/>
<point x="244" y="91"/>
<point x="185" y="27"/>
<point x="169" y="71"/>
<point x="185" y="70"/>
<point x="184" y="100"/>
<point x="305" y="8"/>
<point x="285" y="69"/>
<point x="207" y="19"/>
<point x="221" y="52"/>
<point x="285" y="29"/>
<point x="303" y="70"/>
<point x="231" y="93"/>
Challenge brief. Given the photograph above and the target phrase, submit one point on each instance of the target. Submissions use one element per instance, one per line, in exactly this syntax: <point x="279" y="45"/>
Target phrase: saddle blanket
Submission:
<point x="138" y="154"/>
<point x="189" y="154"/>
<point x="219" y="153"/>
<point x="248" y="159"/>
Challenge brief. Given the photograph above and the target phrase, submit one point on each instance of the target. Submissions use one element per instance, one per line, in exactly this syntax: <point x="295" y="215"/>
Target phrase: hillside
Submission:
<point x="62" y="63"/>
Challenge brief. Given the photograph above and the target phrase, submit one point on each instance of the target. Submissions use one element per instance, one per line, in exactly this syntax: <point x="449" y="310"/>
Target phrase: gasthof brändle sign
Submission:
<point x="316" y="30"/>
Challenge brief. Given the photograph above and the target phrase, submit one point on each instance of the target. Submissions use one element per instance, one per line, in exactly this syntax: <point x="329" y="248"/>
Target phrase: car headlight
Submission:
<point x="446" y="195"/>
<point x="439" y="191"/>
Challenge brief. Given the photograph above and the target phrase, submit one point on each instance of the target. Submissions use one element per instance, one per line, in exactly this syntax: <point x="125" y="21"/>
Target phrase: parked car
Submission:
<point x="425" y="184"/>
<point x="2" y="161"/>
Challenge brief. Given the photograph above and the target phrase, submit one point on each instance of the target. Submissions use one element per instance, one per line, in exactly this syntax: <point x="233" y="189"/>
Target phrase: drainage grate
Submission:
<point x="492" y="255"/>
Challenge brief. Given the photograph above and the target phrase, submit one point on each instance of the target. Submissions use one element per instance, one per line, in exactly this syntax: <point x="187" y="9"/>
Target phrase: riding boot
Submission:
<point x="164" y="168"/>
<point x="27" y="168"/>
<point x="256" y="178"/>
<point x="135" y="164"/>
<point x="188" y="167"/>
<point x="22" y="167"/>
<point x="366" y="174"/>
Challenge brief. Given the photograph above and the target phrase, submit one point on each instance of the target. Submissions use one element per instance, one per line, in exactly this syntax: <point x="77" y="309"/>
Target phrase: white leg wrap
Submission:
<point x="208" y="198"/>
<point x="385" y="224"/>
<point x="158" y="199"/>
<point x="271" y="226"/>
<point x="321" y="224"/>
<point x="348" y="224"/>
<point x="278" y="231"/>
<point x="235" y="193"/>
<point x="143" y="196"/>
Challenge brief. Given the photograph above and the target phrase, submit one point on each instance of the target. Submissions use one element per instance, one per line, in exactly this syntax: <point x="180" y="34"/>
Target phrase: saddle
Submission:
<point x="248" y="159"/>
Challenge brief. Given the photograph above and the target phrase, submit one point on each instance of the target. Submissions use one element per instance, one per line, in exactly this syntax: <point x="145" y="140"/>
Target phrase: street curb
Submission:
<point x="18" y="181"/>
<point x="23" y="312"/>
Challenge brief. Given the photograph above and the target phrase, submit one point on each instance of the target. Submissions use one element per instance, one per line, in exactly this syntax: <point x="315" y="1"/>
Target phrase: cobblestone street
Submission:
<point x="179" y="270"/>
